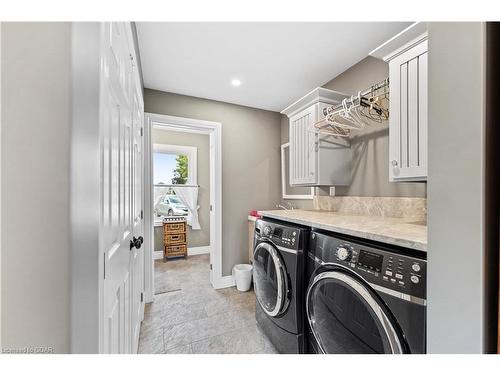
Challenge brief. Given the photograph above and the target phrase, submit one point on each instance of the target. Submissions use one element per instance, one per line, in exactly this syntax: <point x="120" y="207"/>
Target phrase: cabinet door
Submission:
<point x="303" y="148"/>
<point x="408" y="115"/>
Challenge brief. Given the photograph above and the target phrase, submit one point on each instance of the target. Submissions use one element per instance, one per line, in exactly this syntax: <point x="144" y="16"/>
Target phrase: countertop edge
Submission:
<point x="410" y="244"/>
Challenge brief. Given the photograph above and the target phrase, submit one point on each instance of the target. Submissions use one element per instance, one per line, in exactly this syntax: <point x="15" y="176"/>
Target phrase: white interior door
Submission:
<point x="121" y="218"/>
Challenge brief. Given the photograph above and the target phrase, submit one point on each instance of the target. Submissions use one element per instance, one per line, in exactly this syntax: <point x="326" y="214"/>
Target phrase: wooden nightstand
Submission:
<point x="174" y="237"/>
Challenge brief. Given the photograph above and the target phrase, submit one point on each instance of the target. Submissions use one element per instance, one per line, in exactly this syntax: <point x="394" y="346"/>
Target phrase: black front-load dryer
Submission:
<point x="278" y="275"/>
<point x="364" y="297"/>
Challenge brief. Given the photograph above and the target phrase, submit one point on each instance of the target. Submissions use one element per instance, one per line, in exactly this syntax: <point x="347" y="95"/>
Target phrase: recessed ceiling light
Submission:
<point x="235" y="82"/>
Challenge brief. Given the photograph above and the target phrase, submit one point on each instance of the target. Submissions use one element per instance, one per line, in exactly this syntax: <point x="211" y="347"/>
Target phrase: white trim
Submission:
<point x="284" y="184"/>
<point x="87" y="263"/>
<point x="197" y="250"/>
<point x="0" y="183"/>
<point x="148" y="215"/>
<point x="317" y="95"/>
<point x="190" y="151"/>
<point x="401" y="42"/>
<point x="214" y="130"/>
<point x="225" y="282"/>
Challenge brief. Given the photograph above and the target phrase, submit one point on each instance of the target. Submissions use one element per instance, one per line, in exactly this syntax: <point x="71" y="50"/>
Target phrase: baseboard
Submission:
<point x="198" y="250"/>
<point x="224" y="282"/>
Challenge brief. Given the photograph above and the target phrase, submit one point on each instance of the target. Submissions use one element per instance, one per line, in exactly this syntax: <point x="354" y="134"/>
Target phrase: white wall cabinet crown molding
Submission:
<point x="318" y="95"/>
<point x="401" y="42"/>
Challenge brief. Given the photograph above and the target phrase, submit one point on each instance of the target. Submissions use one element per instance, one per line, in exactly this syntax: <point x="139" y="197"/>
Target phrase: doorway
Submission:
<point x="156" y="196"/>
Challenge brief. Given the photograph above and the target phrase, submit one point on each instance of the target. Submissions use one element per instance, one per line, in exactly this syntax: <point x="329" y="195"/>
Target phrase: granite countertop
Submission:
<point x="404" y="232"/>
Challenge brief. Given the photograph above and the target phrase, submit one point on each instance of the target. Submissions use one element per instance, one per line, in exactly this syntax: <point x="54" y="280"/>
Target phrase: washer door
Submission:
<point x="347" y="317"/>
<point x="270" y="279"/>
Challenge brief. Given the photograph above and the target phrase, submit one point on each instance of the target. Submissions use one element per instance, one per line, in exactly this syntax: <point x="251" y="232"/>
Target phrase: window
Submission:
<point x="170" y="168"/>
<point x="172" y="165"/>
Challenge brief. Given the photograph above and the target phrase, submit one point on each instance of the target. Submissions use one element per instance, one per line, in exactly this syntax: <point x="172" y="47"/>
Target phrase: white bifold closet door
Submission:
<point x="121" y="192"/>
<point x="408" y="115"/>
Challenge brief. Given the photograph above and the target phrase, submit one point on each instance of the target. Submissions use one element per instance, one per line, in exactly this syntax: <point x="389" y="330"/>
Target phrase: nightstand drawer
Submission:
<point x="175" y="251"/>
<point x="171" y="239"/>
<point x="174" y="227"/>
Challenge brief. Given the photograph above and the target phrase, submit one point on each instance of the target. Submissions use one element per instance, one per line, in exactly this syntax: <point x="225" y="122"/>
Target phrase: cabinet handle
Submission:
<point x="394" y="163"/>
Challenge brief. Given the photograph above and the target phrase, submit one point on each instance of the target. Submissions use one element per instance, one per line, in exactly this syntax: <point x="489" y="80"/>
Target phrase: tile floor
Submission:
<point x="189" y="316"/>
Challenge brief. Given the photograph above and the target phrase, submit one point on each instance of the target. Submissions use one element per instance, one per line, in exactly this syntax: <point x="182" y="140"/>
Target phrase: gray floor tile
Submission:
<point x="184" y="349"/>
<point x="174" y="314"/>
<point x="151" y="342"/>
<point x="196" y="330"/>
<point x="198" y="316"/>
<point x="241" y="341"/>
<point x="160" y="301"/>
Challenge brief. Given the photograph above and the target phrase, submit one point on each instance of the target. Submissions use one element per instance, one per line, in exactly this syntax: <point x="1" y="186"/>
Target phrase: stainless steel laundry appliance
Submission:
<point x="364" y="297"/>
<point x="278" y="274"/>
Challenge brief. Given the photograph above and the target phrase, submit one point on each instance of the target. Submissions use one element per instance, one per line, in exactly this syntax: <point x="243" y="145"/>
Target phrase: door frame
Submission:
<point x="0" y="182"/>
<point x="187" y="125"/>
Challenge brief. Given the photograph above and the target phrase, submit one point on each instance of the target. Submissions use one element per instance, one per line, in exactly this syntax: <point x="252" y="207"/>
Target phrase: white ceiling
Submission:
<point x="277" y="63"/>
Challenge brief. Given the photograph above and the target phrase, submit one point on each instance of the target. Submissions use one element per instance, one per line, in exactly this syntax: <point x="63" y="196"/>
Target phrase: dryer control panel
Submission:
<point x="388" y="268"/>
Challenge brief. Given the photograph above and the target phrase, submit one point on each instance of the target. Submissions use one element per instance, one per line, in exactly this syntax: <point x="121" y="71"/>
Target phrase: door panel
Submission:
<point x="121" y="192"/>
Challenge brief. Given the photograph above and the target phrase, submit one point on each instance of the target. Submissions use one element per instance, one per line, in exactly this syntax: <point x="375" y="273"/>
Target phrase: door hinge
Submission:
<point x="210" y="266"/>
<point x="210" y="208"/>
<point x="104" y="266"/>
<point x="142" y="132"/>
<point x="142" y="297"/>
<point x="142" y="214"/>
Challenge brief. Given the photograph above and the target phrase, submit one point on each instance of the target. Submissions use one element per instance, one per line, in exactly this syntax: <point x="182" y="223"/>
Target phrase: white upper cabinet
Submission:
<point x="316" y="159"/>
<point x="408" y="115"/>
<point x="407" y="55"/>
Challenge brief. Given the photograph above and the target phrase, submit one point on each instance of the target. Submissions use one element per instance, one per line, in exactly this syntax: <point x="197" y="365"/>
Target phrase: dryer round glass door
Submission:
<point x="346" y="316"/>
<point x="270" y="279"/>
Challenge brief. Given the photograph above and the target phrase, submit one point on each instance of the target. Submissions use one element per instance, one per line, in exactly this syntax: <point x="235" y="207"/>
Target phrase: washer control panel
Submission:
<point x="387" y="268"/>
<point x="281" y="235"/>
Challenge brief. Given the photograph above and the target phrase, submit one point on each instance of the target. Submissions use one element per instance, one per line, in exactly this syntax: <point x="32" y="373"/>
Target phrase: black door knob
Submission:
<point x="136" y="242"/>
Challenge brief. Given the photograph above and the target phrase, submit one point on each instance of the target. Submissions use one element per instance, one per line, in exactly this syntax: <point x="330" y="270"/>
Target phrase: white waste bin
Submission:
<point x="243" y="275"/>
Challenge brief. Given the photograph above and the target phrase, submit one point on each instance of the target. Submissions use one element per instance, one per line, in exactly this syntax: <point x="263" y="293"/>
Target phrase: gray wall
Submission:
<point x="202" y="143"/>
<point x="455" y="289"/>
<point x="250" y="161"/>
<point x="36" y="114"/>
<point x="370" y="172"/>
